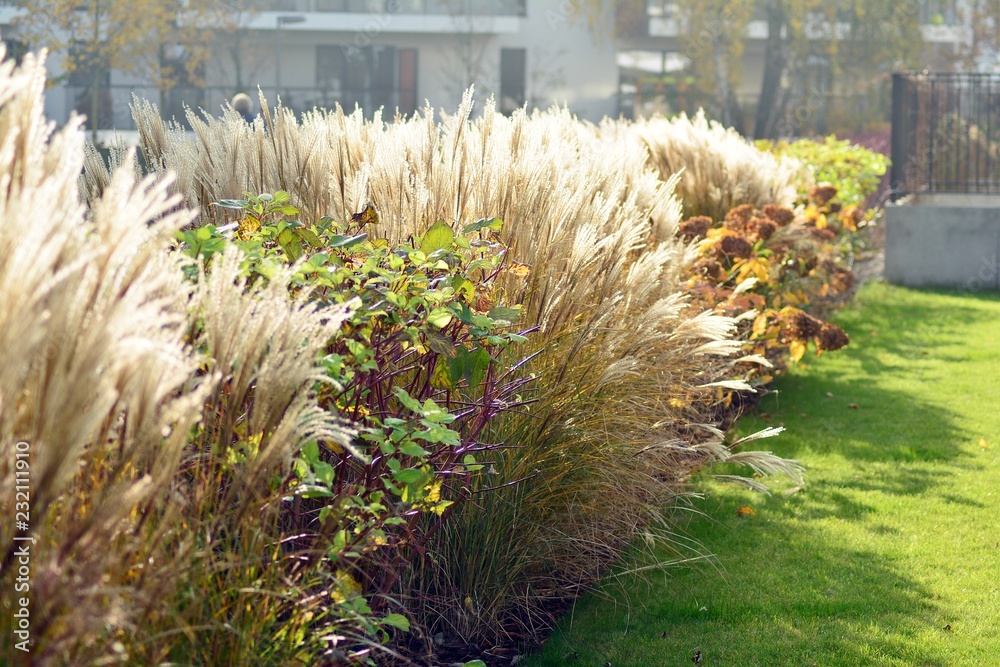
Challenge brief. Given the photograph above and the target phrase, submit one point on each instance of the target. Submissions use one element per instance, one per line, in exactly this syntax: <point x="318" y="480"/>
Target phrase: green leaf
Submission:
<point x="413" y="449"/>
<point x="438" y="237"/>
<point x="399" y="622"/>
<point x="313" y="491"/>
<point x="408" y="476"/>
<point x="281" y="197"/>
<point x="439" y="435"/>
<point x="508" y="315"/>
<point x="440" y="317"/>
<point x="441" y="343"/>
<point x="338" y="241"/>
<point x="310" y="451"/>
<point x="410" y="403"/>
<point x="464" y="286"/>
<point x="310" y="237"/>
<point x="238" y="204"/>
<point x="495" y="224"/>
<point x="290" y="243"/>
<point x="475" y="663"/>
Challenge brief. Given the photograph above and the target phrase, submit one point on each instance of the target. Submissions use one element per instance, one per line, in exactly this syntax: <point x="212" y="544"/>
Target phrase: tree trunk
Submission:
<point x="238" y="59"/>
<point x="770" y="102"/>
<point x="95" y="92"/>
<point x="95" y="105"/>
<point x="723" y="90"/>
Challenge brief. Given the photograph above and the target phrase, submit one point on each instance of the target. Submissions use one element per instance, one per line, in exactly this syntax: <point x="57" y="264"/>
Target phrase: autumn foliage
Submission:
<point x="409" y="391"/>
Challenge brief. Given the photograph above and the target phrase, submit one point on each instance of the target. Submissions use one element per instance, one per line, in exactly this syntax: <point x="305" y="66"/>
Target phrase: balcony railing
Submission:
<point x="439" y="7"/>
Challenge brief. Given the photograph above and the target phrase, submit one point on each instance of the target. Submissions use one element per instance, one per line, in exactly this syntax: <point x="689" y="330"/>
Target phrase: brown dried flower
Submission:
<point x="801" y="325"/>
<point x="821" y="194"/>
<point x="694" y="228"/>
<point x="735" y="246"/>
<point x="709" y="268"/>
<point x="760" y="229"/>
<point x="831" y="337"/>
<point x="779" y="214"/>
<point x="843" y="279"/>
<point x="738" y="217"/>
<point x="825" y="234"/>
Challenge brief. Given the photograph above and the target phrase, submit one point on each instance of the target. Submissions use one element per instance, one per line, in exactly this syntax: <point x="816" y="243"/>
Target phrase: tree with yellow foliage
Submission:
<point x="95" y="36"/>
<point x="817" y="53"/>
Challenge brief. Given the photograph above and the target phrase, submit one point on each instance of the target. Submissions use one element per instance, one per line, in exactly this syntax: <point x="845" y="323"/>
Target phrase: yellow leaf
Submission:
<point x="746" y="511"/>
<point x="797" y="350"/>
<point x="760" y="269"/>
<point x="821" y="221"/>
<point x="847" y="217"/>
<point x="439" y="508"/>
<point x="759" y="326"/>
<point x="744" y="268"/>
<point x="983" y="443"/>
<point x="441" y="379"/>
<point x="433" y="491"/>
<point x="519" y="270"/>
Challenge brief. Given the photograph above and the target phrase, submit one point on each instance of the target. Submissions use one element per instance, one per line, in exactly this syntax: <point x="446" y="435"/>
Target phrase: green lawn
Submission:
<point x="890" y="555"/>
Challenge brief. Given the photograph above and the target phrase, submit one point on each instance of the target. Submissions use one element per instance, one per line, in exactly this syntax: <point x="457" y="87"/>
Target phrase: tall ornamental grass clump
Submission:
<point x="719" y="169"/>
<point x="626" y="378"/>
<point x="163" y="408"/>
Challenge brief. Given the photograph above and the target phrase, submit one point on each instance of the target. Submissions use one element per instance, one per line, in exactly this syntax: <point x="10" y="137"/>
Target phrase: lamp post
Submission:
<point x="280" y="21"/>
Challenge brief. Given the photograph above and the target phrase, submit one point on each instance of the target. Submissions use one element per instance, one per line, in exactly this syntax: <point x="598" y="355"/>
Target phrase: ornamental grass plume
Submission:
<point x="95" y="374"/>
<point x="719" y="169"/>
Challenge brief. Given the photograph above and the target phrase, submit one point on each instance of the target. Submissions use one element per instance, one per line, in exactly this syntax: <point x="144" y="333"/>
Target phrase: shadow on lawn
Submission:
<point x="910" y="325"/>
<point x="812" y="601"/>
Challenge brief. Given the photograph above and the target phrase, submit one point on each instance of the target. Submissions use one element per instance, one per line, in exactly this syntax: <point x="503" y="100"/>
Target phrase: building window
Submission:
<point x="939" y="12"/>
<point x="513" y="73"/>
<point x="16" y="49"/>
<point x="369" y="77"/>
<point x="181" y="87"/>
<point x="407" y="81"/>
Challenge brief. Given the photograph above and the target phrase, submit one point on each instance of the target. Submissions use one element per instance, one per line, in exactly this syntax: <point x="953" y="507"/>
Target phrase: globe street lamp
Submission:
<point x="280" y="21"/>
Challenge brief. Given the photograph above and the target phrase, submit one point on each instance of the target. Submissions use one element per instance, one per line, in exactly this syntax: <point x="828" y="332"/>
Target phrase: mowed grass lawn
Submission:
<point x="890" y="555"/>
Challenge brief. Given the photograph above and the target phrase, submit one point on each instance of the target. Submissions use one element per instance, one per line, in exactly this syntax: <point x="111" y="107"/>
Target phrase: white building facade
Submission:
<point x="389" y="54"/>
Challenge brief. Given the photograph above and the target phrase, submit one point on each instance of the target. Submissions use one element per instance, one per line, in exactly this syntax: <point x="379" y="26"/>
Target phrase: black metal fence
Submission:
<point x="945" y="132"/>
<point x="114" y="113"/>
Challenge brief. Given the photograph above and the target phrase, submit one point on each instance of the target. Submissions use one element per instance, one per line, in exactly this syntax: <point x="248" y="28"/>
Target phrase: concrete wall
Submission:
<point x="944" y="240"/>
